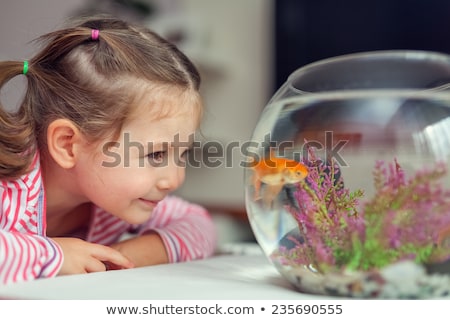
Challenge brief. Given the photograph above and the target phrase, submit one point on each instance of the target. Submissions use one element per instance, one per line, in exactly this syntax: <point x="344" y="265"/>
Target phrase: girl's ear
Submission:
<point x="63" y="141"/>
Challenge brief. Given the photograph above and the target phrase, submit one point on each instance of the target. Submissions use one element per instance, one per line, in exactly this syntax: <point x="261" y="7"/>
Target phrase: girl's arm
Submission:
<point x="144" y="250"/>
<point x="25" y="257"/>
<point x="178" y="231"/>
<point x="25" y="252"/>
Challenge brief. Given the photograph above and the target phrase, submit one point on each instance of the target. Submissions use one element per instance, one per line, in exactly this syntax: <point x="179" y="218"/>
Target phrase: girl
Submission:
<point x="93" y="152"/>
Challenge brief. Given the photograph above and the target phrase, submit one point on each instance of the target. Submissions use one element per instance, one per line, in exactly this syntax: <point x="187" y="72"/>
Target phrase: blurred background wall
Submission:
<point x="307" y="31"/>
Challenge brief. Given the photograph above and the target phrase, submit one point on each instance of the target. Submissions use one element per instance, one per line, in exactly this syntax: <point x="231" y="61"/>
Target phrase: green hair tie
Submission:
<point x="25" y="67"/>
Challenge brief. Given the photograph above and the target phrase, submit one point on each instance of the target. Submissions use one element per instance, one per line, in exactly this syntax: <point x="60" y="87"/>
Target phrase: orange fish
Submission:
<point x="275" y="173"/>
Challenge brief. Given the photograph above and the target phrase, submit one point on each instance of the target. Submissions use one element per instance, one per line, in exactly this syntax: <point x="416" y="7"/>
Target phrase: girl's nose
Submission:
<point x="171" y="178"/>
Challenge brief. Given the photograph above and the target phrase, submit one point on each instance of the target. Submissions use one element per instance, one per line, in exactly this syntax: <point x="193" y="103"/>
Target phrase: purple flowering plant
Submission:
<point x="407" y="218"/>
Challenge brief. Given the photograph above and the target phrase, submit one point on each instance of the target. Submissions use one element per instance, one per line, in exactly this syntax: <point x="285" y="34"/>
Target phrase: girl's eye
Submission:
<point x="181" y="161"/>
<point x="185" y="154"/>
<point x="157" y="158"/>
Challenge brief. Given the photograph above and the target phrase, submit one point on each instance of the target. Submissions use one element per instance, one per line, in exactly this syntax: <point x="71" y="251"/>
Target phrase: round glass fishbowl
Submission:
<point x="346" y="182"/>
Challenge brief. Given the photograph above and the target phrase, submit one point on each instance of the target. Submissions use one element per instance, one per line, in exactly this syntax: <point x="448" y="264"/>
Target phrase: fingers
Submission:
<point x="95" y="265"/>
<point x="111" y="258"/>
<point x="83" y="257"/>
<point x="111" y="266"/>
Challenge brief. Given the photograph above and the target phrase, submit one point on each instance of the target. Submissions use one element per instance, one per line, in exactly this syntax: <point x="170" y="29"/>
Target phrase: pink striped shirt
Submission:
<point x="187" y="230"/>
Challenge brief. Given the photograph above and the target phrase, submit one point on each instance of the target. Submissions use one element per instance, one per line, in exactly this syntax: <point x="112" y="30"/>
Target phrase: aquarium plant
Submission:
<point x="408" y="218"/>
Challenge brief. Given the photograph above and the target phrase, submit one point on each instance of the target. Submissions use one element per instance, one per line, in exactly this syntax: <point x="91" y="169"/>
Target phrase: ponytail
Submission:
<point x="17" y="140"/>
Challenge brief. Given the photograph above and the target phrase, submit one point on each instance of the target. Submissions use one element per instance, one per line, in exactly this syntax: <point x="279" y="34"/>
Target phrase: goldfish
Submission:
<point x="275" y="173"/>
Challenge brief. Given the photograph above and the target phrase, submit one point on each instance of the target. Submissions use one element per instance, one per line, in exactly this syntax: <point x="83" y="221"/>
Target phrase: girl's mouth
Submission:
<point x="149" y="202"/>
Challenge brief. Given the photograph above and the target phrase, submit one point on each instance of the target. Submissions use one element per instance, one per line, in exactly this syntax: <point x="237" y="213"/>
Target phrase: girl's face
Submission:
<point x="130" y="176"/>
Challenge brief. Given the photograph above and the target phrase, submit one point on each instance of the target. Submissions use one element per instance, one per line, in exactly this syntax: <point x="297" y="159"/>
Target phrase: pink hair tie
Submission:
<point x="94" y="34"/>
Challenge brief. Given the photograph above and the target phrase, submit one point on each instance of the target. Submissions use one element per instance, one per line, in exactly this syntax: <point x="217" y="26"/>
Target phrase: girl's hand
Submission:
<point x="85" y="257"/>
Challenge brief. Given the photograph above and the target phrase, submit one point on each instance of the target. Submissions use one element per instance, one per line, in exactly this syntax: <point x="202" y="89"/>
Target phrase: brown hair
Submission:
<point x="86" y="81"/>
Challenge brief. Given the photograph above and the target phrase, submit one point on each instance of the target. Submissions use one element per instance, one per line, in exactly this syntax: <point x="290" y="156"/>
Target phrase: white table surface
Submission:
<point x="235" y="275"/>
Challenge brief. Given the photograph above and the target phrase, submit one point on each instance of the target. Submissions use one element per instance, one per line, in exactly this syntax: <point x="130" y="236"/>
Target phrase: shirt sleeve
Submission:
<point x="25" y="257"/>
<point x="25" y="252"/>
<point x="187" y="230"/>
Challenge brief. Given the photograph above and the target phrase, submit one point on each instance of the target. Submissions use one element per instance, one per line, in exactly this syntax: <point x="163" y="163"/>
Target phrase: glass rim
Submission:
<point x="405" y="55"/>
<point x="423" y="94"/>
